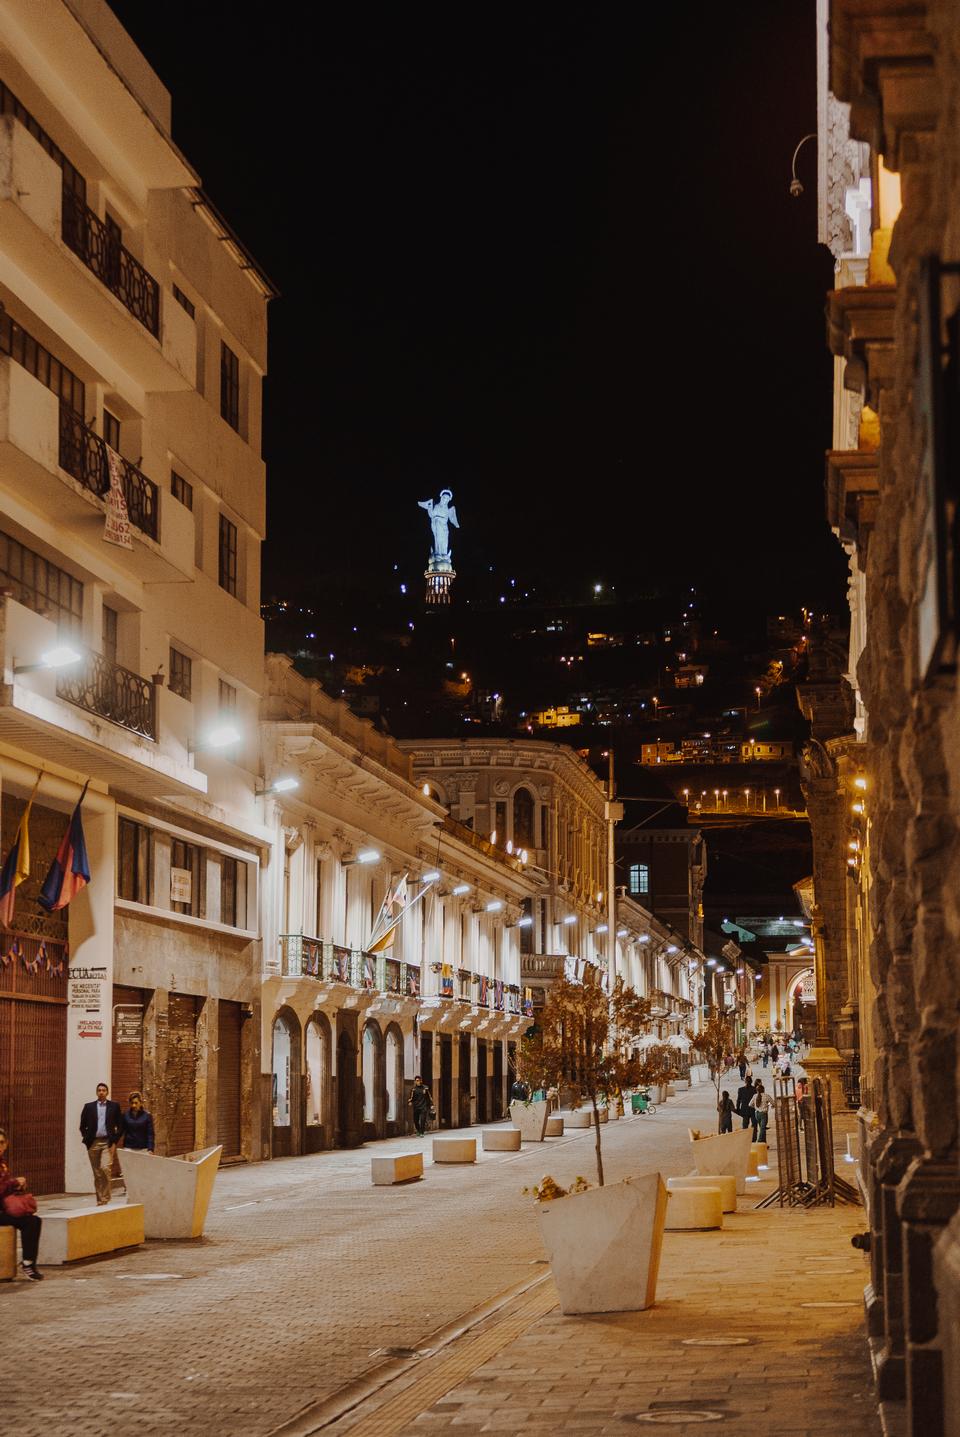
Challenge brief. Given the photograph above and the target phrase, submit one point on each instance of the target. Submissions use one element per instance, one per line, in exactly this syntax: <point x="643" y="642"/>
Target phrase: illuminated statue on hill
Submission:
<point x="439" y="572"/>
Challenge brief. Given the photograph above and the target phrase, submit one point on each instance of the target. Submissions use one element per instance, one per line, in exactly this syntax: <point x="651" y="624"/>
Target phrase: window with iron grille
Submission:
<point x="134" y="851"/>
<point x="181" y="674"/>
<point x="111" y="430"/>
<point x="184" y="302"/>
<point x="233" y="892"/>
<point x="229" y="386"/>
<point x="185" y="858"/>
<point x="228" y="697"/>
<point x="181" y="489"/>
<point x="40" y="585"/>
<point x="22" y="347"/>
<point x="228" y="555"/>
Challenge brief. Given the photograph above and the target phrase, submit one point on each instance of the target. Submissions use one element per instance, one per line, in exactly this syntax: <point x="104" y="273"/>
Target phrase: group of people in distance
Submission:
<point x="754" y="1102"/>
<point x="103" y="1126"/>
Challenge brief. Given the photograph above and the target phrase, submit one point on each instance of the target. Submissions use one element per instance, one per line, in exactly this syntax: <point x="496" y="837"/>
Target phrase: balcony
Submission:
<point x="84" y="456"/>
<point x="305" y="957"/>
<point x="111" y="692"/>
<point x="112" y="263"/>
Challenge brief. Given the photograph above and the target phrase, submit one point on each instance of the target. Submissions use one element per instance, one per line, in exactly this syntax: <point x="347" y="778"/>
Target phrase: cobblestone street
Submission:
<point x="308" y="1273"/>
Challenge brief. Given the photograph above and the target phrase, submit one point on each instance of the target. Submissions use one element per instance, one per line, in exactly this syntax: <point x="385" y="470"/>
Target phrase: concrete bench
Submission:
<point x="454" y="1150"/>
<point x="554" y="1127"/>
<point x="582" y="1118"/>
<point x="501" y="1140"/>
<point x="8" y="1254"/>
<point x="694" y="1209"/>
<point x="397" y="1168"/>
<point x="612" y="1114"/>
<point x="726" y="1182"/>
<point x="763" y="1154"/>
<point x="89" y="1232"/>
<point x="753" y="1164"/>
<point x="604" y="1115"/>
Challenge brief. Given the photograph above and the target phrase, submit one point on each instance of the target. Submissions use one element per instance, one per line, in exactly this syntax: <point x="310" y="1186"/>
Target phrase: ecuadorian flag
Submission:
<point x="17" y="866"/>
<point x="70" y="870"/>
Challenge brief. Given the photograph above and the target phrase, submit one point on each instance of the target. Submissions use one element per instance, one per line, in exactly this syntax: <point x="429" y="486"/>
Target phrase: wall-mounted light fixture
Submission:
<point x="460" y="890"/>
<point x="61" y="656"/>
<point x="494" y="906"/>
<point x="364" y="855"/>
<point x="279" y="785"/>
<point x="222" y="735"/>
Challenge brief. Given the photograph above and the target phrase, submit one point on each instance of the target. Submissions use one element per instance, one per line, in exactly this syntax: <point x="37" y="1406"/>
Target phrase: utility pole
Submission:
<point x="614" y="813"/>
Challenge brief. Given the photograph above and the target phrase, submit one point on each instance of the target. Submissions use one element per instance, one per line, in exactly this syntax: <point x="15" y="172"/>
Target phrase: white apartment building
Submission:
<point x="345" y="1028"/>
<point x="132" y="349"/>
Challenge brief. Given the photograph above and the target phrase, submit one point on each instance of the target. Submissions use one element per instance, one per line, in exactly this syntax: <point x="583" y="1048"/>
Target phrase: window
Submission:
<point x="22" y="347"/>
<point x="111" y="430"/>
<point x="109" y="633"/>
<point x="181" y="674"/>
<point x="639" y="878"/>
<point x="228" y="555"/>
<point x="40" y="585"/>
<point x="228" y="697"/>
<point x="183" y="302"/>
<point x="523" y="818"/>
<point x="133" y="861"/>
<point x="185" y="895"/>
<point x="181" y="490"/>
<point x="73" y="181"/>
<point x="233" y="892"/>
<point x="229" y="386"/>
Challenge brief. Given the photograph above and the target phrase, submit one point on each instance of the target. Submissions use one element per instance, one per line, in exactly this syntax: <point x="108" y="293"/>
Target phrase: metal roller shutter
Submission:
<point x="229" y="1028"/>
<point x="180" y="1073"/>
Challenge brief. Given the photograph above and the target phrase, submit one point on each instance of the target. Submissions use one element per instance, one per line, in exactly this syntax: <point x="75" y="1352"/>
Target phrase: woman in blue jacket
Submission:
<point x="137" y="1125"/>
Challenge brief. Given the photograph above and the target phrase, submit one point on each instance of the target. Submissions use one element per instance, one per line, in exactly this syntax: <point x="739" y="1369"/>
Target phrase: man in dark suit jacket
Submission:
<point x="101" y="1127"/>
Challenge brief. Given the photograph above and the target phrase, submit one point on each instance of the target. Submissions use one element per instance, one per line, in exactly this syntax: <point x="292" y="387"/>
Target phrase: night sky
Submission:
<point x="544" y="256"/>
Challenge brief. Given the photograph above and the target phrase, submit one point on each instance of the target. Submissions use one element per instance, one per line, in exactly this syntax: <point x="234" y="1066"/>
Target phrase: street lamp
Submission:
<point x="757" y="692"/>
<point x="777" y="793"/>
<point x="59" y="657"/>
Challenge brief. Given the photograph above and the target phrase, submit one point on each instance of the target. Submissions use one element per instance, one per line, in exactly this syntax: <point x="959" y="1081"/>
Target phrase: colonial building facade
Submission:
<point x="888" y="973"/>
<point x="132" y="346"/>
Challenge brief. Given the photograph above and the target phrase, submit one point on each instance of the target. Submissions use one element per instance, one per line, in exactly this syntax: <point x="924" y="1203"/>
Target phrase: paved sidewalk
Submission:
<point x="308" y="1273"/>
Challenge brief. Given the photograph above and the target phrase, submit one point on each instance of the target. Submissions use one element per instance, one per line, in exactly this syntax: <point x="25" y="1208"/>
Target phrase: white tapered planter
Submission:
<point x="724" y="1153"/>
<point x="604" y="1245"/>
<point x="531" y="1119"/>
<point x="175" y="1192"/>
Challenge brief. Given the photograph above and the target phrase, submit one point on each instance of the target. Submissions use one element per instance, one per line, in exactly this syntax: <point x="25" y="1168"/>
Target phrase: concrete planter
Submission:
<point x="175" y="1192"/>
<point x="724" y="1153"/>
<point x="531" y="1119"/>
<point x="604" y="1245"/>
<point x="579" y="1118"/>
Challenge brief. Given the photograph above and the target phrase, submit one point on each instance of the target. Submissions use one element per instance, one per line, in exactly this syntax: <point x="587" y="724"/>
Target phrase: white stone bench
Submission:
<point x="397" y="1168"/>
<point x="89" y="1232"/>
<point x="581" y="1118"/>
<point x="501" y="1140"/>
<point x="554" y="1127"/>
<point x="694" y="1209"/>
<point x="726" y="1182"/>
<point x="724" y="1153"/>
<point x="762" y="1153"/>
<point x="454" y="1150"/>
<point x="8" y="1254"/>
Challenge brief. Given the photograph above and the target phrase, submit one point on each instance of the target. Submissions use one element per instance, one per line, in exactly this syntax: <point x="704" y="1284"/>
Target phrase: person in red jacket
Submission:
<point x="27" y="1224"/>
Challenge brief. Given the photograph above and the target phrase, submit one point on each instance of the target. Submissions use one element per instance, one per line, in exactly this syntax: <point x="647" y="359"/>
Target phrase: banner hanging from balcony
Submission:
<point x="70" y="870"/>
<point x="446" y="980"/>
<point x="528" y="1002"/>
<point x="484" y="995"/>
<point x="117" y="528"/>
<point x="498" y="993"/>
<point x="16" y="869"/>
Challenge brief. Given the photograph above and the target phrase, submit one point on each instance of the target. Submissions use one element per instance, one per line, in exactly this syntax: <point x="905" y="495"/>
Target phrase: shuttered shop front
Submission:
<point x="127" y="1054"/>
<point x="229" y="1029"/>
<point x="179" y="1073"/>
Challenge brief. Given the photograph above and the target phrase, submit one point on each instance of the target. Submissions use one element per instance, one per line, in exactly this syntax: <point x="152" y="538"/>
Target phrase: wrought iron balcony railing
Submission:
<point x="303" y="957"/>
<point x="111" y="692"/>
<point x="112" y="263"/>
<point x="83" y="455"/>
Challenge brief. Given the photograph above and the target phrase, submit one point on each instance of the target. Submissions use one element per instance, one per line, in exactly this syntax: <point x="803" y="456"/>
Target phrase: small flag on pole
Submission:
<point x="17" y="867"/>
<point x="70" y="870"/>
<point x="391" y="912"/>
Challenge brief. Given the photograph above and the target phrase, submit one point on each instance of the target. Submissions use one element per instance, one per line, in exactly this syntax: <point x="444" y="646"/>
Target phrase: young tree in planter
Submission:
<point x="713" y="1043"/>
<point x="655" y="1066"/>
<point x="585" y="1036"/>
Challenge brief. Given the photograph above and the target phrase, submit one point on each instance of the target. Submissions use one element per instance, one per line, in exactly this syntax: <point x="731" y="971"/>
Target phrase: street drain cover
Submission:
<point x="676" y="1416"/>
<point x="717" y="1341"/>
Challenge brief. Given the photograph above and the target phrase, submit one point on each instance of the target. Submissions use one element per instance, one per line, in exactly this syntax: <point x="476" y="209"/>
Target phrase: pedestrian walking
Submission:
<point x="744" y="1096"/>
<point x="774" y="1054"/>
<point x="725" y="1109"/>
<point x="422" y="1105"/>
<point x="18" y="1208"/>
<point x="760" y="1105"/>
<point x="742" y="1066"/>
<point x="101" y="1127"/>
<point x="137" y="1125"/>
<point x="766" y="1054"/>
<point x="783" y="1065"/>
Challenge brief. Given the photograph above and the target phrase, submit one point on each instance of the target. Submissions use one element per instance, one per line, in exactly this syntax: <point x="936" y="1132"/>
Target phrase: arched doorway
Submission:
<point x="349" y="1133"/>
<point x="285" y="1085"/>
<point x="371" y="1060"/>
<point x="393" y="1065"/>
<point x="802" y="1005"/>
<point x="317" y="1049"/>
